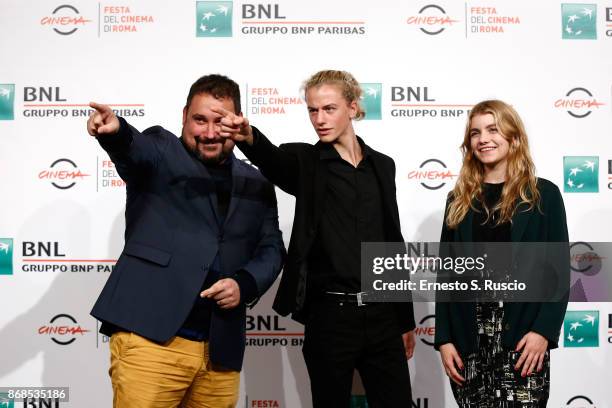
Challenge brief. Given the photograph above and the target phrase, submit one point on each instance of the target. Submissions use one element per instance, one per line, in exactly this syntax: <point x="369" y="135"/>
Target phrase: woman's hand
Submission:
<point x="534" y="348"/>
<point x="451" y="362"/>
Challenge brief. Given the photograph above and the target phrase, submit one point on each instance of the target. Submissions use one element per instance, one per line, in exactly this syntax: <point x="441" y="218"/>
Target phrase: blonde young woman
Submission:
<point x="498" y="198"/>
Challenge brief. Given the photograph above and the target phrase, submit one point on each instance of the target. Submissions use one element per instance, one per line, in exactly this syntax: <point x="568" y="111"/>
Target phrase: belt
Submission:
<point x="347" y="297"/>
<point x="190" y="334"/>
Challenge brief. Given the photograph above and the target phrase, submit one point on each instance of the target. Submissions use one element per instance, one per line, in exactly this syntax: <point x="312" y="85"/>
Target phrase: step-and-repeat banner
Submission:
<point x="422" y="66"/>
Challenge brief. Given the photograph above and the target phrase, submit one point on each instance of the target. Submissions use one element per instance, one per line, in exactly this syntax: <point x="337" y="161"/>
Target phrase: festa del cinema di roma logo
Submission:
<point x="65" y="20"/>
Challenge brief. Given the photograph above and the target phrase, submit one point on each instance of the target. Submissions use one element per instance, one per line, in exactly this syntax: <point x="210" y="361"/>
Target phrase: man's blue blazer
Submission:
<point x="172" y="237"/>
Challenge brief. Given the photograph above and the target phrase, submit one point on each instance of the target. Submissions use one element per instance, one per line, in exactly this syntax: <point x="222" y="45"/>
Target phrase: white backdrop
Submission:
<point x="422" y="64"/>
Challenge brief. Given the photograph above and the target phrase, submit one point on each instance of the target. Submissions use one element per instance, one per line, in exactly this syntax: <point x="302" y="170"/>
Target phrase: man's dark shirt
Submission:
<point x="352" y="215"/>
<point x="197" y="324"/>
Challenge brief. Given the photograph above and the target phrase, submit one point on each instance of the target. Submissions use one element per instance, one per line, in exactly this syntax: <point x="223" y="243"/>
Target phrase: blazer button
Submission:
<point x="205" y="267"/>
<point x="507" y="327"/>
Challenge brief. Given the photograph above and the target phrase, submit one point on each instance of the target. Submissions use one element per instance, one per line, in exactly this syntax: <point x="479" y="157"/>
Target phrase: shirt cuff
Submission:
<point x="119" y="141"/>
<point x="247" y="285"/>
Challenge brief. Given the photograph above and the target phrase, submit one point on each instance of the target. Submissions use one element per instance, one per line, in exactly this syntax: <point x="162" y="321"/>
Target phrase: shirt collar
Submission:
<point x="328" y="152"/>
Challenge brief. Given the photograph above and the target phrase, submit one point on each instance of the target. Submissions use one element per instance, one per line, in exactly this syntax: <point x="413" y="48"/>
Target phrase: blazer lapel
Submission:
<point x="465" y="232"/>
<point x="200" y="183"/>
<point x="238" y="180"/>
<point x="465" y="227"/>
<point x="519" y="222"/>
<point x="320" y="185"/>
<point x="386" y="189"/>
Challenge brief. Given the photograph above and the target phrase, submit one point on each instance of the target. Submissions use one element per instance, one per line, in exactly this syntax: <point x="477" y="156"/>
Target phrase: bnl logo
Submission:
<point x="578" y="21"/>
<point x="5" y="401"/>
<point x="213" y="19"/>
<point x="6" y="258"/>
<point x="581" y="328"/>
<point x="7" y="101"/>
<point x="581" y="174"/>
<point x="371" y="100"/>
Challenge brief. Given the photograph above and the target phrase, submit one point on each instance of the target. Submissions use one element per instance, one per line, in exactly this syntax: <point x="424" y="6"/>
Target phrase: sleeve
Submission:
<point x="405" y="309"/>
<point x="550" y="317"/>
<point x="278" y="165"/>
<point x="132" y="152"/>
<point x="442" y="310"/>
<point x="247" y="285"/>
<point x="269" y="255"/>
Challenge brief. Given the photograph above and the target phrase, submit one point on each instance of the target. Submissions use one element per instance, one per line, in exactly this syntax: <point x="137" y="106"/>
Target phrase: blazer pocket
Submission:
<point x="147" y="253"/>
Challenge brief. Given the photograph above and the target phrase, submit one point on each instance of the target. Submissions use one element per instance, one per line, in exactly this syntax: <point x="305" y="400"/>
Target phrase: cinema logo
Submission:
<point x="578" y="103"/>
<point x="426" y="330"/>
<point x="263" y="100"/>
<point x="271" y="331"/>
<point x="580" y="401"/>
<point x="269" y="19"/>
<point x="432" y="174"/>
<point x="431" y="20"/>
<point x="62" y="174"/>
<point x="610" y="328"/>
<point x="51" y="102"/>
<point x="65" y="20"/>
<point x="420" y="102"/>
<point x="488" y="20"/>
<point x="63" y="329"/>
<point x="584" y="259"/>
<point x="609" y="174"/>
<point x="121" y="19"/>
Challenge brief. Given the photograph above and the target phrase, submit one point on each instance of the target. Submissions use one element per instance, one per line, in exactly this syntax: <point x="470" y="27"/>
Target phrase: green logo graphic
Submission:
<point x="5" y="401"/>
<point x="581" y="328"/>
<point x="7" y="101"/>
<point x="6" y="257"/>
<point x="359" y="401"/>
<point x="371" y="100"/>
<point x="213" y="19"/>
<point x="581" y="174"/>
<point x="578" y="21"/>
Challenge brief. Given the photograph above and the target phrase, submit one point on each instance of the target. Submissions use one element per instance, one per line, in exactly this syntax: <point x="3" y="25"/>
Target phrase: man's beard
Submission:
<point x="217" y="159"/>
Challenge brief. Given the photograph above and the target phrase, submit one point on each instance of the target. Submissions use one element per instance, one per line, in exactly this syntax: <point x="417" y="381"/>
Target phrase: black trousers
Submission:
<point x="340" y="338"/>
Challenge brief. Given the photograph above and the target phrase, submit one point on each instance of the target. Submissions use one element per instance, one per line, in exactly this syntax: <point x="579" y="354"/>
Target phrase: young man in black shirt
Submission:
<point x="345" y="195"/>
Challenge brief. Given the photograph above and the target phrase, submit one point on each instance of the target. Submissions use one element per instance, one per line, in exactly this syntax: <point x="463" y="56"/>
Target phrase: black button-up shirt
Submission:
<point x="352" y="214"/>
